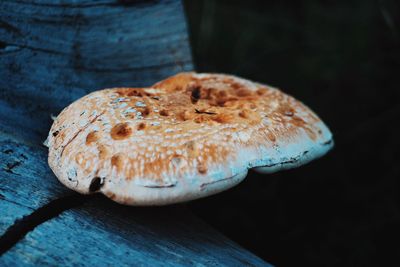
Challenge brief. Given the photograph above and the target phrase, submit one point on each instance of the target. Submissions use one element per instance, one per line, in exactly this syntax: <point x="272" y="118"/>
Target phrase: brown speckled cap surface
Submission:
<point x="186" y="137"/>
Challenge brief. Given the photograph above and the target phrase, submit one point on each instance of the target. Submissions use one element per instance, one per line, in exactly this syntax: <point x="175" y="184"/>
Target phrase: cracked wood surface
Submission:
<point x="52" y="53"/>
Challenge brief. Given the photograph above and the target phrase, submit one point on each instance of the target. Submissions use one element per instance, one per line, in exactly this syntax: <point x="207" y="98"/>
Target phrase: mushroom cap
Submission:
<point x="189" y="136"/>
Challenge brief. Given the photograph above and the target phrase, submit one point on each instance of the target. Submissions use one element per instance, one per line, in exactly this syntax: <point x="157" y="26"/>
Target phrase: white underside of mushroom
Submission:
<point x="263" y="160"/>
<point x="181" y="192"/>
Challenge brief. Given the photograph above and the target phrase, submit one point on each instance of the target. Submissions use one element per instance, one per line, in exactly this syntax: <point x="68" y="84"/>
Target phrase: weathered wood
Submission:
<point x="51" y="53"/>
<point x="97" y="234"/>
<point x="26" y="181"/>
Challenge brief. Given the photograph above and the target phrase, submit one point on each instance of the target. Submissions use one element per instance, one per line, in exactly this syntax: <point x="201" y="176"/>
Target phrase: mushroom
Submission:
<point x="187" y="137"/>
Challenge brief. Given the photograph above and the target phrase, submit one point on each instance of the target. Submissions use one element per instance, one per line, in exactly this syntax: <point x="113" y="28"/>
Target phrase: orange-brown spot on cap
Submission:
<point x="222" y="93"/>
<point x="121" y="92"/>
<point x="186" y="115"/>
<point x="146" y="111"/>
<point x="201" y="168"/>
<point x="297" y="121"/>
<point x="178" y="88"/>
<point x="226" y="101"/>
<point x="245" y="114"/>
<point x="261" y="91"/>
<point x="251" y="115"/>
<point x="300" y="123"/>
<point x="92" y="137"/>
<point x="286" y="110"/>
<point x="202" y="118"/>
<point x="271" y="136"/>
<point x="135" y="93"/>
<point x="223" y="118"/>
<point x="164" y="112"/>
<point x="174" y="83"/>
<point x="121" y="131"/>
<point x="219" y="102"/>
<point x="141" y="126"/>
<point x="233" y="84"/>
<point x="117" y="161"/>
<point x="252" y="106"/>
<point x="130" y="92"/>
<point x="104" y="151"/>
<point x="243" y="92"/>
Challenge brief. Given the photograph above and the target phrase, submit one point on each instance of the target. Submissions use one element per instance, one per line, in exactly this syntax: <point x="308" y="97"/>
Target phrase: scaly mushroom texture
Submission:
<point x="189" y="136"/>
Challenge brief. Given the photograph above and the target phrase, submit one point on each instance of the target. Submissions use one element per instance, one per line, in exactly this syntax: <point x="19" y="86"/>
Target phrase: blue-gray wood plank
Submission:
<point x="51" y="53"/>
<point x="26" y="181"/>
<point x="106" y="234"/>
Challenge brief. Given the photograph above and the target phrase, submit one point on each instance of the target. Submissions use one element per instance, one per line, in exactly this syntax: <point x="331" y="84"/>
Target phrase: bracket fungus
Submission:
<point x="187" y="137"/>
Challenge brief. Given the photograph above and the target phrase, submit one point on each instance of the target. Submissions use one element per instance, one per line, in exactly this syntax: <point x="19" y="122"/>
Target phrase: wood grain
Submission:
<point x="97" y="234"/>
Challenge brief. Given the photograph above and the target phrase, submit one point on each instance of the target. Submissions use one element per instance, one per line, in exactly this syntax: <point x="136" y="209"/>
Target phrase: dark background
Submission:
<point x="341" y="58"/>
